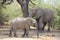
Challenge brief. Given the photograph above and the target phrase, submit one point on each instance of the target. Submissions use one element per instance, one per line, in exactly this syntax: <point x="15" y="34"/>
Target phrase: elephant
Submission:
<point x="42" y="16"/>
<point x="22" y="23"/>
<point x="23" y="4"/>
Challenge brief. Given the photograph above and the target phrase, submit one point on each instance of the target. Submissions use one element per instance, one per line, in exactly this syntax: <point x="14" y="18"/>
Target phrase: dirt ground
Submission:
<point x="53" y="35"/>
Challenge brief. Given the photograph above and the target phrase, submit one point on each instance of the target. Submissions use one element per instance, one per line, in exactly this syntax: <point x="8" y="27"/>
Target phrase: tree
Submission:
<point x="24" y="6"/>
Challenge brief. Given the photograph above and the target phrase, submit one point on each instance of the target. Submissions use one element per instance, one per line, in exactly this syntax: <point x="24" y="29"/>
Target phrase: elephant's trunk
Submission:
<point x="36" y="25"/>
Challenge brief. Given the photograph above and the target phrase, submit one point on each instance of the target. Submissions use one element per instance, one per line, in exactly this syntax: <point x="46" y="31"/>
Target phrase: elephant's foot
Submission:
<point x="42" y="29"/>
<point x="39" y="29"/>
<point x="27" y="35"/>
<point x="15" y="35"/>
<point x="10" y="35"/>
<point x="23" y="35"/>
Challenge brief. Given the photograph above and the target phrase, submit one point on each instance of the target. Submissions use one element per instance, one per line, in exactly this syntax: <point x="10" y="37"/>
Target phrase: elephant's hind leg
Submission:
<point x="44" y="26"/>
<point x="10" y="33"/>
<point x="15" y="33"/>
<point x="49" y="25"/>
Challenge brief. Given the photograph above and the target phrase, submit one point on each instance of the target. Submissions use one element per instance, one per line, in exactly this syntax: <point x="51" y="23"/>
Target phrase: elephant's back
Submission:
<point x="18" y="22"/>
<point x="49" y="14"/>
<point x="15" y="20"/>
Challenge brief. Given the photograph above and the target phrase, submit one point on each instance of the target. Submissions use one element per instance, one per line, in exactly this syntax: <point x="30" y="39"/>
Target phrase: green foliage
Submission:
<point x="14" y="10"/>
<point x="58" y="28"/>
<point x="51" y="4"/>
<point x="3" y="17"/>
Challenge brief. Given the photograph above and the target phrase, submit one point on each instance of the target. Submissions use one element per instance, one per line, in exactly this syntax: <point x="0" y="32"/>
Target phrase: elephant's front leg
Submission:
<point x="40" y="23"/>
<point x="24" y="32"/>
<point x="27" y="31"/>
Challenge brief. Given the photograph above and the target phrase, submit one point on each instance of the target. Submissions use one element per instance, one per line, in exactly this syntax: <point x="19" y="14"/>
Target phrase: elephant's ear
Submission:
<point x="32" y="12"/>
<point x="29" y="21"/>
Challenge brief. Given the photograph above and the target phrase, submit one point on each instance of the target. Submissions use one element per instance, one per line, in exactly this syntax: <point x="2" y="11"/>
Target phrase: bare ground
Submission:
<point x="53" y="35"/>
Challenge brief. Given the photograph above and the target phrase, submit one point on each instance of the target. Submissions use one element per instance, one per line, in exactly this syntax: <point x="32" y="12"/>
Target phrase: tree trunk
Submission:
<point x="24" y="6"/>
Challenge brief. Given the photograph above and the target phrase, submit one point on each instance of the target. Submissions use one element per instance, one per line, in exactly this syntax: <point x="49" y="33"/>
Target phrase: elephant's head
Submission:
<point x="35" y="13"/>
<point x="32" y="12"/>
<point x="31" y="22"/>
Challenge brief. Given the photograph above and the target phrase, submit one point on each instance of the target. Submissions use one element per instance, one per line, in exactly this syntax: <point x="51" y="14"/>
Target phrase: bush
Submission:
<point x="3" y="17"/>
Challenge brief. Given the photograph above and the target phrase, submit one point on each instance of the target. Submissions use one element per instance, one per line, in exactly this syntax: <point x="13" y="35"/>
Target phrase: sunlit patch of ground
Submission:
<point x="41" y="38"/>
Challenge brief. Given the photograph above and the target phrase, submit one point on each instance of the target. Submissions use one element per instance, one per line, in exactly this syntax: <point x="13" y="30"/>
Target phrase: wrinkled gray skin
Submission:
<point x="22" y="23"/>
<point x="23" y="4"/>
<point x="43" y="16"/>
